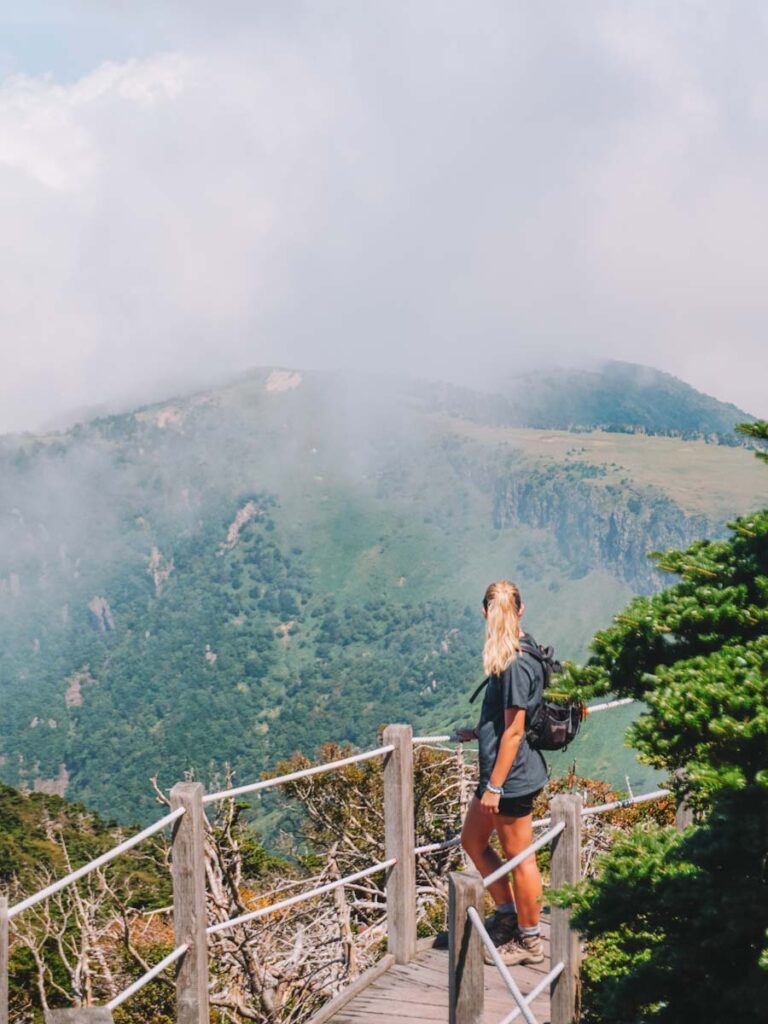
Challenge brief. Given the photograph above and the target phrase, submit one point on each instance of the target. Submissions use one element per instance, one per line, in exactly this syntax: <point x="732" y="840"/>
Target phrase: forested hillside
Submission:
<point x="296" y="558"/>
<point x="620" y="397"/>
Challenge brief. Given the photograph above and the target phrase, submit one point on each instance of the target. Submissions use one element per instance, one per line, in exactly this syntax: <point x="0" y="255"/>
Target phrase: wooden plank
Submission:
<point x="566" y="868"/>
<point x="189" y="911"/>
<point x="420" y="998"/>
<point x="417" y="992"/>
<point x="400" y="842"/>
<point x="427" y="974"/>
<point x="412" y="1011"/>
<point x="363" y="1018"/>
<point x="348" y="1017"/>
<point x="429" y="996"/>
<point x="5" y="955"/>
<point x="380" y="1012"/>
<point x="528" y="975"/>
<point x="358" y="985"/>
<point x="432" y="979"/>
<point x="400" y="1008"/>
<point x="422" y="973"/>
<point x="466" y="988"/>
<point x="83" y="1015"/>
<point x="412" y="984"/>
<point x="540" y="1011"/>
<point x="505" y="998"/>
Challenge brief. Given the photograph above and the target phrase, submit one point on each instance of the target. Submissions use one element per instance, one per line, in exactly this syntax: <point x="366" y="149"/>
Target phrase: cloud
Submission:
<point x="444" y="189"/>
<point x="52" y="132"/>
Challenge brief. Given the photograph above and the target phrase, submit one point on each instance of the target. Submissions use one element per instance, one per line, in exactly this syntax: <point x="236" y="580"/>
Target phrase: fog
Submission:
<point x="450" y="190"/>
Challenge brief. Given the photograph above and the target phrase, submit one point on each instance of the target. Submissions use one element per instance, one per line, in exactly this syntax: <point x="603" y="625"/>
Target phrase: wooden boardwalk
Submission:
<point x="417" y="993"/>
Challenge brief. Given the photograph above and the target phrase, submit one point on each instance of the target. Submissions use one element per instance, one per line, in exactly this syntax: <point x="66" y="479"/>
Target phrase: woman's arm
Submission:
<point x="509" y="744"/>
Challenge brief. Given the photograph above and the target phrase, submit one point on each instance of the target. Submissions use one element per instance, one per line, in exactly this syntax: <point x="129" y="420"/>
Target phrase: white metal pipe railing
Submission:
<point x="447" y="844"/>
<point x="509" y="981"/>
<point x="292" y="776"/>
<point x="610" y="704"/>
<point x="520" y="857"/>
<point x="657" y="794"/>
<point x="629" y="801"/>
<point x="150" y="974"/>
<point x="105" y="858"/>
<point x="590" y="710"/>
<point x="283" y="904"/>
<point x="535" y="991"/>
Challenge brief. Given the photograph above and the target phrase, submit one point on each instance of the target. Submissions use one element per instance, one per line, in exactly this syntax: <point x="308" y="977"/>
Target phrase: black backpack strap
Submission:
<point x="538" y="653"/>
<point x="545" y="655"/>
<point x="482" y="686"/>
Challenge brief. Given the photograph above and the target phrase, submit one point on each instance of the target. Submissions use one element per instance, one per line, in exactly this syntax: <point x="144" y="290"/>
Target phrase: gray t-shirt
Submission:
<point x="520" y="685"/>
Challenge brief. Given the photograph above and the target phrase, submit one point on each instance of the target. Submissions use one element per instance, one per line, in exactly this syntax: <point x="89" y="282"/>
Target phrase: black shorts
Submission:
<point x="513" y="806"/>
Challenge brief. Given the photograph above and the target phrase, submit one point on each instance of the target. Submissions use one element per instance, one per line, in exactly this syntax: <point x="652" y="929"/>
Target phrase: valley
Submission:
<point x="232" y="576"/>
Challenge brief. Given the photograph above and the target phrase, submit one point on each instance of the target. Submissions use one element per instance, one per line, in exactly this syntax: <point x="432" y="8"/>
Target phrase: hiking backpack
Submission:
<point x="549" y="726"/>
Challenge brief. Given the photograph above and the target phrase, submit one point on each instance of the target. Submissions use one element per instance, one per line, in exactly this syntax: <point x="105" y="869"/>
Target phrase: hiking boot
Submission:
<point x="501" y="928"/>
<point x="522" y="949"/>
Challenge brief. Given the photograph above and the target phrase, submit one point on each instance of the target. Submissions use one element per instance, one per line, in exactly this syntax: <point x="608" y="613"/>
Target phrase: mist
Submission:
<point x="449" y="191"/>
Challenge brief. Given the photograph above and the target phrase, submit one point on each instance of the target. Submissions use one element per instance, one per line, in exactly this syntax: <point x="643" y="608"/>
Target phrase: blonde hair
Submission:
<point x="502" y="627"/>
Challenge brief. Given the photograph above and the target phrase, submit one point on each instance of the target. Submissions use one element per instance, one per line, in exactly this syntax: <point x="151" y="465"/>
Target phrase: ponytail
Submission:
<point x="502" y="635"/>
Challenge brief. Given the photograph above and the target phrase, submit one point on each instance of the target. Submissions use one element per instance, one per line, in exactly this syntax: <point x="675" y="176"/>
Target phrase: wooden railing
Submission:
<point x="191" y="930"/>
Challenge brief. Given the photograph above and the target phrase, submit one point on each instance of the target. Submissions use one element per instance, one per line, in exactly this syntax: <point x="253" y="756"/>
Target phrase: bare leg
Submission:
<point x="477" y="830"/>
<point x="515" y="834"/>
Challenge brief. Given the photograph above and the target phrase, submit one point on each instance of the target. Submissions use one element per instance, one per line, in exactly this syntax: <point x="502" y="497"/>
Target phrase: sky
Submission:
<point x="457" y="190"/>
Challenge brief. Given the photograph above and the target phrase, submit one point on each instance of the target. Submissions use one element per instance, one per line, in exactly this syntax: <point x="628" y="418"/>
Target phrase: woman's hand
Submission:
<point x="466" y="734"/>
<point x="490" y="802"/>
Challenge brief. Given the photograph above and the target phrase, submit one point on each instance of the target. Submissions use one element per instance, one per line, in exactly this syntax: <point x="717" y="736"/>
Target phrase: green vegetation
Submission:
<point x="231" y="577"/>
<point x="36" y="830"/>
<point x="701" y="479"/>
<point x="44" y="837"/>
<point x="678" y="923"/>
<point x="621" y="398"/>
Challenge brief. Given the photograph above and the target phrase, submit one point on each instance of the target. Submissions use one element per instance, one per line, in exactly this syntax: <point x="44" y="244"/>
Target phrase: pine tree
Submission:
<point x="757" y="430"/>
<point x="677" y="922"/>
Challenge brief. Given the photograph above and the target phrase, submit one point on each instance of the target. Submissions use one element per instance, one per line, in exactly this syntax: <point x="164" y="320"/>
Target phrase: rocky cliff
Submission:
<point x="598" y="521"/>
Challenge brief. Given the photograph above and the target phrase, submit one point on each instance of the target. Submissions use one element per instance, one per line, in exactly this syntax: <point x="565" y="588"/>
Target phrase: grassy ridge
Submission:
<point x="701" y="478"/>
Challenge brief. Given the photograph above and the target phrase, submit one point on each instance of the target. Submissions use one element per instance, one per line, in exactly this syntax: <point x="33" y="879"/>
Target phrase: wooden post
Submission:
<point x="566" y="869"/>
<point x="466" y="974"/>
<point x="5" y="956"/>
<point x="683" y="812"/>
<point x="189" y="912"/>
<point x="400" y="842"/>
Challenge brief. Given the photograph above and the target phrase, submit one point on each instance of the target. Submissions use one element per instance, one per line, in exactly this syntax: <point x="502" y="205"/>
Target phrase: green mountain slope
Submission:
<point x="617" y="397"/>
<point x="242" y="573"/>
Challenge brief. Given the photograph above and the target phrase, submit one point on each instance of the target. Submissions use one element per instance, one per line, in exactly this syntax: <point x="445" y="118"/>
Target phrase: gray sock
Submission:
<point x="506" y="908"/>
<point x="528" y="933"/>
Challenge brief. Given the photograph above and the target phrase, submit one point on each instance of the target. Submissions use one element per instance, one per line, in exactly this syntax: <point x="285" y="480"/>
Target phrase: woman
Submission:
<point x="512" y="774"/>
